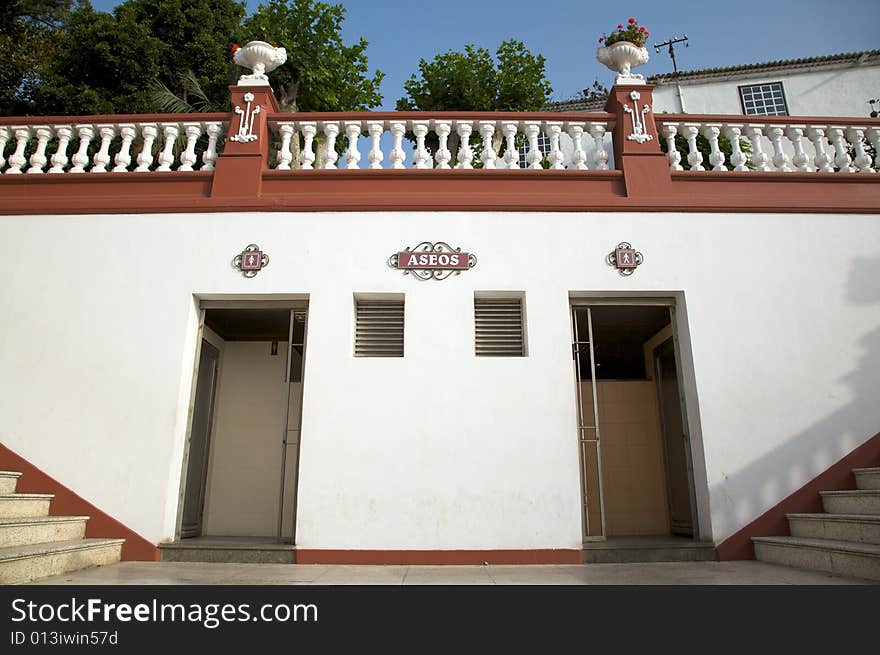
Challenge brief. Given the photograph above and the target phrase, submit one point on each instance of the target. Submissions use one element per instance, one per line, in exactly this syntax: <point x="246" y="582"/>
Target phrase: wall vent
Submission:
<point x="378" y="328"/>
<point x="499" y="327"/>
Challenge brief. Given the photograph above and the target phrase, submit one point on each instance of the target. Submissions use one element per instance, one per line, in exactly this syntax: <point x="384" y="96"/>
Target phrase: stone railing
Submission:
<point x="111" y="144"/>
<point x="773" y="143"/>
<point x="426" y="140"/>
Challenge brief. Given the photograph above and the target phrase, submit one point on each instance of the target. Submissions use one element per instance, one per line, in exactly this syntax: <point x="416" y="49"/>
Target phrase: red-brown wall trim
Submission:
<point x="805" y="500"/>
<point x="443" y="190"/>
<point x="69" y="503"/>
<point x="428" y="557"/>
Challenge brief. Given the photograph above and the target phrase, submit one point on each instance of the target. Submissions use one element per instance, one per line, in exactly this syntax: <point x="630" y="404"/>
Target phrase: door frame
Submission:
<point x="200" y="305"/>
<point x="687" y="390"/>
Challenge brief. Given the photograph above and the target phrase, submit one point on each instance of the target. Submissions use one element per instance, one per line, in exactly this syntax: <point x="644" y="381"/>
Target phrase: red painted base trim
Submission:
<point x="540" y="556"/>
<point x="68" y="503"/>
<point x="804" y="500"/>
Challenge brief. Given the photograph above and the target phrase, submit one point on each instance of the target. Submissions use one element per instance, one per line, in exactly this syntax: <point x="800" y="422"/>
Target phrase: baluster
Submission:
<point x="556" y="157"/>
<point x="123" y="157"/>
<point x="421" y="158"/>
<point x="578" y="156"/>
<point x="695" y="157"/>
<point x="511" y="154"/>
<point x="780" y="159"/>
<point x="376" y="129"/>
<point x="862" y="159"/>
<point x="166" y="156"/>
<point x="102" y="157"/>
<point x="465" y="157"/>
<point x="80" y="158"/>
<point x="38" y="159"/>
<point x="352" y="155"/>
<point x="755" y="134"/>
<point x="841" y="157"/>
<point x="188" y="157"/>
<point x="4" y="139"/>
<point x="307" y="156"/>
<point x="534" y="155"/>
<point x="670" y="130"/>
<point x="801" y="160"/>
<point x="59" y="159"/>
<point x="443" y="128"/>
<point x="331" y="131"/>
<point x="873" y="134"/>
<point x="16" y="159"/>
<point x="816" y="134"/>
<point x="737" y="156"/>
<point x="600" y="155"/>
<point x="284" y="155"/>
<point x="397" y="154"/>
<point x="488" y="156"/>
<point x="210" y="154"/>
<point x="149" y="132"/>
<point x="716" y="157"/>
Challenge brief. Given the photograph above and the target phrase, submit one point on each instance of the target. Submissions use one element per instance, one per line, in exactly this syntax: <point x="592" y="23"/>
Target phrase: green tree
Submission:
<point x="473" y="81"/>
<point x="321" y="72"/>
<point x="27" y="31"/>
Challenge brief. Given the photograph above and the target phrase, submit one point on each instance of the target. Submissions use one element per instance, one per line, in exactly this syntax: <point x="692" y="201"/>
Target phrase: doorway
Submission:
<point x="243" y="451"/>
<point x="636" y="474"/>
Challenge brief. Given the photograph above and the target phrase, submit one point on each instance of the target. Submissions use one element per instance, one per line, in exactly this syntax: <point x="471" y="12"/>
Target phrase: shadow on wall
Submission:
<point x="811" y="452"/>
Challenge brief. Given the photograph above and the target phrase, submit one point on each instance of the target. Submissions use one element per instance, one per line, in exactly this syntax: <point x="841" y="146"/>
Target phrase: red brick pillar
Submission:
<point x="636" y="142"/>
<point x="239" y="169"/>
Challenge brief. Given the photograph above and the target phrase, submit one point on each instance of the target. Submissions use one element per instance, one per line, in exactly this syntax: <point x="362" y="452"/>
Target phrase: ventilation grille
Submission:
<point x="379" y="328"/>
<point x="499" y="327"/>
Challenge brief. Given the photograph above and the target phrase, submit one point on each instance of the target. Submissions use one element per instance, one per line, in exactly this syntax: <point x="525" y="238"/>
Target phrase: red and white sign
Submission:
<point x="433" y="260"/>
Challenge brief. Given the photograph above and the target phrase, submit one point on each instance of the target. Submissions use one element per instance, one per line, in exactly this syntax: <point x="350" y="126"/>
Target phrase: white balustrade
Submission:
<point x="285" y="154"/>
<point x="352" y="155"/>
<point x="488" y="155"/>
<point x="443" y="156"/>
<point x="329" y="156"/>
<point x="578" y="156"/>
<point x="774" y="147"/>
<point x="106" y="147"/>
<point x="556" y="157"/>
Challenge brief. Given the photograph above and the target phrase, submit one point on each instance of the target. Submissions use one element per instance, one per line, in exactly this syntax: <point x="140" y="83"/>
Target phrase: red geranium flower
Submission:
<point x="601" y="39"/>
<point x="235" y="47"/>
<point x="619" y="26"/>
<point x="632" y="20"/>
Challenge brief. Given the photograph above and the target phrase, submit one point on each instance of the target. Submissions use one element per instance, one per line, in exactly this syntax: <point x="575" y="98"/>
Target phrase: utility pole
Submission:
<point x="671" y="43"/>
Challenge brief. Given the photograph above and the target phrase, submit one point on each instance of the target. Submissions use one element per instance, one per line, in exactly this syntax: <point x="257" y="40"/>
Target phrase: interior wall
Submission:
<point x="633" y="472"/>
<point x="245" y="465"/>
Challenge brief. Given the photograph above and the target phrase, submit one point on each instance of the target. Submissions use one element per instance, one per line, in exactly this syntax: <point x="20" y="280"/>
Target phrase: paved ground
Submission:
<point x="666" y="573"/>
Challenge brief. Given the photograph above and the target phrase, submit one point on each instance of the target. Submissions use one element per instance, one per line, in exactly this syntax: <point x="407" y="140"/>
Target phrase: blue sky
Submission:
<point x="400" y="32"/>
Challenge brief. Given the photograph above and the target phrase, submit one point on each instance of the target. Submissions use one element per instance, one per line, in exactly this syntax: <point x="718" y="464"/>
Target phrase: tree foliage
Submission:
<point x="173" y="55"/>
<point x="321" y="72"/>
<point x="473" y="81"/>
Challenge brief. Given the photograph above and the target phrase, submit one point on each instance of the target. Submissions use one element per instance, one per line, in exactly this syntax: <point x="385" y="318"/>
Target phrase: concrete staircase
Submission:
<point x="844" y="540"/>
<point x="35" y="545"/>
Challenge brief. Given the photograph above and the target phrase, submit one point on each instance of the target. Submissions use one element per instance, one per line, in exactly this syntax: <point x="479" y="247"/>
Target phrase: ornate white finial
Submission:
<point x="621" y="57"/>
<point x="261" y="58"/>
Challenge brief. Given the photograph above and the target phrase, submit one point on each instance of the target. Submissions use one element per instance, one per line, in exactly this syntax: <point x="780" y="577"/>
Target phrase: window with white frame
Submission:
<point x="763" y="99"/>
<point x="543" y="146"/>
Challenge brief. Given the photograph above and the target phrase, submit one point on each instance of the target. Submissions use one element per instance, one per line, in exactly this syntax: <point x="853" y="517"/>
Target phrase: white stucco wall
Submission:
<point x="829" y="92"/>
<point x="439" y="449"/>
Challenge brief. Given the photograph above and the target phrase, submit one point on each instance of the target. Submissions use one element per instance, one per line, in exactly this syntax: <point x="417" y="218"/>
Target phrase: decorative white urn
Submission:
<point x="261" y="58"/>
<point x="622" y="57"/>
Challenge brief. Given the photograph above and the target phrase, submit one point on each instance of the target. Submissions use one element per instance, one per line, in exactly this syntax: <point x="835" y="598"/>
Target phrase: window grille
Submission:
<point x="499" y="327"/>
<point x="763" y="99"/>
<point x="378" y="328"/>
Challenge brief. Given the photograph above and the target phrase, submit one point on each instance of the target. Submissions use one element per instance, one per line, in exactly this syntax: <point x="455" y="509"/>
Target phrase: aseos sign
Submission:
<point x="432" y="261"/>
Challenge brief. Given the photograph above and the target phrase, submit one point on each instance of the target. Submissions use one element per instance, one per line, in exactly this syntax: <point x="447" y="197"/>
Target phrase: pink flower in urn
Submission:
<point x="642" y="29"/>
<point x="632" y="21"/>
<point x="620" y="26"/>
<point x="601" y="39"/>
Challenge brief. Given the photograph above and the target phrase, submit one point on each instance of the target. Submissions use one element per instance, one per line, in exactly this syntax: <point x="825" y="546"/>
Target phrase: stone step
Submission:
<point x="845" y="558"/>
<point x="629" y="550"/>
<point x="862" y="501"/>
<point x="21" y="505"/>
<point x="24" y="563"/>
<point x="867" y="478"/>
<point x="860" y="528"/>
<point x="228" y="551"/>
<point x="41" y="529"/>
<point x="8" y="480"/>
